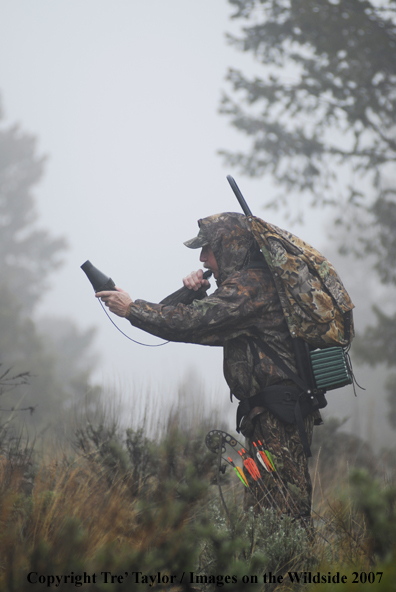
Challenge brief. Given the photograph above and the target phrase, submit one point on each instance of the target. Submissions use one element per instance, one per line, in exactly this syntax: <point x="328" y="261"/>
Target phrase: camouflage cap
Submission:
<point x="197" y="242"/>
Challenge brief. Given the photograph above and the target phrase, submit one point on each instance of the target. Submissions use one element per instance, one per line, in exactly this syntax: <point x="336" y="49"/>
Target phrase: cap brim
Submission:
<point x="196" y="243"/>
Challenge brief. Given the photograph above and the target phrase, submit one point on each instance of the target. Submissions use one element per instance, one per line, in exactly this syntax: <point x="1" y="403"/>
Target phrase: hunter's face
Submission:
<point x="208" y="259"/>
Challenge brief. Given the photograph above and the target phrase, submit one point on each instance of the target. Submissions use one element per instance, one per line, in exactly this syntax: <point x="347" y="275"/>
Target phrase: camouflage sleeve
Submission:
<point x="211" y="321"/>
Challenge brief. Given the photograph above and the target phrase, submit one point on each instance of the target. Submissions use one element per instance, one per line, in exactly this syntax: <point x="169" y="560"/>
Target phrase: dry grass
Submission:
<point x="119" y="500"/>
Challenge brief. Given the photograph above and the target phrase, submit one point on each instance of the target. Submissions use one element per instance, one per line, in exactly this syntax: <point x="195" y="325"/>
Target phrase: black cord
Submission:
<point x="127" y="336"/>
<point x="350" y="368"/>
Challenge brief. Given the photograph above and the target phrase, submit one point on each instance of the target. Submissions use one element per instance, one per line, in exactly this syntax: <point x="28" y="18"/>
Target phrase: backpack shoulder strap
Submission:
<point x="275" y="357"/>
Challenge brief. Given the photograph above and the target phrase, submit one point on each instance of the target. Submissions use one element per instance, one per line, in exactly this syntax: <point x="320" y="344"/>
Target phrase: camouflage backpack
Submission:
<point x="315" y="303"/>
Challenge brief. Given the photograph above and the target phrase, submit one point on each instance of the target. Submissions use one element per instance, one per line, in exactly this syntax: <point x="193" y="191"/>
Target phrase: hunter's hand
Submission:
<point x="195" y="280"/>
<point x="118" y="302"/>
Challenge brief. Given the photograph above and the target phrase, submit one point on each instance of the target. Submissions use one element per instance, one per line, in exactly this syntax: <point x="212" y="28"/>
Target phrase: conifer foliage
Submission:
<point x="326" y="96"/>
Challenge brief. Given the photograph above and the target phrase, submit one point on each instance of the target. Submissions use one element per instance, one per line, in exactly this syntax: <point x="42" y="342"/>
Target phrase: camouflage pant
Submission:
<point x="289" y="489"/>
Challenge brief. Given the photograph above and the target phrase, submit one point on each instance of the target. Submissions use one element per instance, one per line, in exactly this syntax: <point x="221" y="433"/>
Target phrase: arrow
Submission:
<point x="239" y="472"/>
<point x="263" y="458"/>
<point x="267" y="454"/>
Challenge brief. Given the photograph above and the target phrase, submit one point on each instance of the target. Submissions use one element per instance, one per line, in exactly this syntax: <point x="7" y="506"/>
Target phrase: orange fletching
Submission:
<point x="252" y="468"/>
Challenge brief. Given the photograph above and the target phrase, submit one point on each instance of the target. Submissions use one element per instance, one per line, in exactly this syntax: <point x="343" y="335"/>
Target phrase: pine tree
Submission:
<point x="321" y="120"/>
<point x="55" y="354"/>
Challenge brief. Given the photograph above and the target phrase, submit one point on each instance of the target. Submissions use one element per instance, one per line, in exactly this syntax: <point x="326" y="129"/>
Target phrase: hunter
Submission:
<point x="242" y="311"/>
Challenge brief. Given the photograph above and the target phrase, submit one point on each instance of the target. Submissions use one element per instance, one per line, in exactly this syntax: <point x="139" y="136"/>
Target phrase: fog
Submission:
<point x="123" y="97"/>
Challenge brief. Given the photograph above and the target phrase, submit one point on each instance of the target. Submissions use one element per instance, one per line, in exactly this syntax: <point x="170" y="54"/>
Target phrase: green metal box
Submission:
<point x="331" y="368"/>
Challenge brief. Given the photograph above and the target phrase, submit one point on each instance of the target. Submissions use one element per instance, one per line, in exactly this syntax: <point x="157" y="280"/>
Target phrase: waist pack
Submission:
<point x="287" y="403"/>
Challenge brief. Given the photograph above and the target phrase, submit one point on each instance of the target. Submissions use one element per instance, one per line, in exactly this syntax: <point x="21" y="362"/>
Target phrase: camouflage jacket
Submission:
<point x="245" y="304"/>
